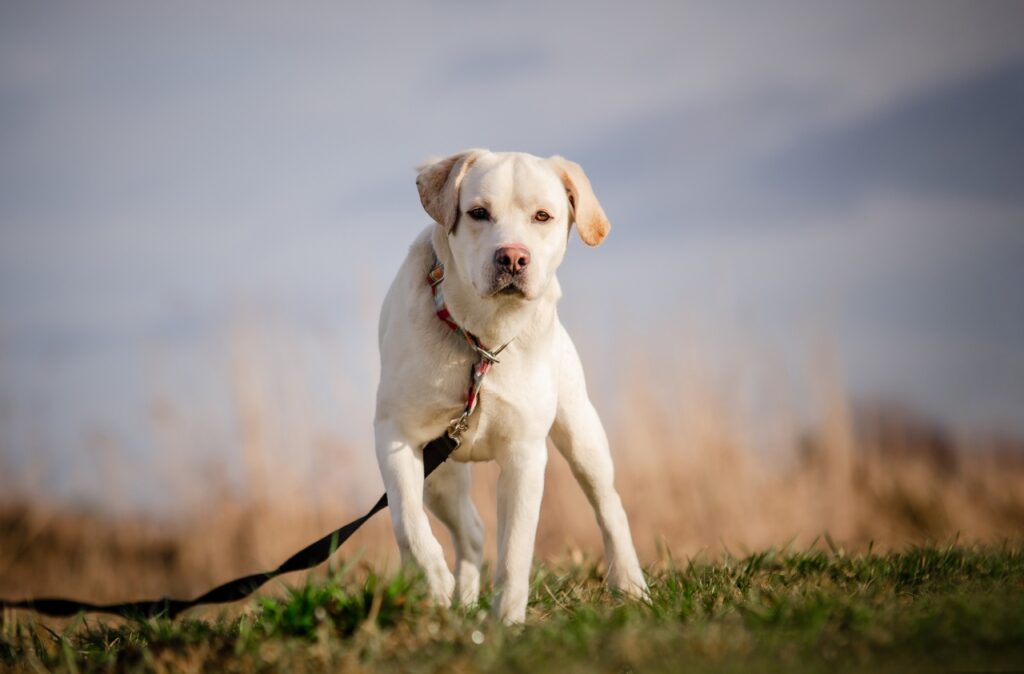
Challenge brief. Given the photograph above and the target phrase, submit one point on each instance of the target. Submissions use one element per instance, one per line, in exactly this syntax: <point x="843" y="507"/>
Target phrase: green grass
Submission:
<point x="925" y="608"/>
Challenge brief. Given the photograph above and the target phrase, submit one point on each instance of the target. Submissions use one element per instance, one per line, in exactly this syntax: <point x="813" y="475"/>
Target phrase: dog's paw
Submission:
<point x="631" y="583"/>
<point x="467" y="586"/>
<point x="442" y="585"/>
<point x="509" y="612"/>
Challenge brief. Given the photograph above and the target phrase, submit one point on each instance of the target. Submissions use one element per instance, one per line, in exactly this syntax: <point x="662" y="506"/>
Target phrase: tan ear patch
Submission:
<point x="591" y="222"/>
<point x="438" y="184"/>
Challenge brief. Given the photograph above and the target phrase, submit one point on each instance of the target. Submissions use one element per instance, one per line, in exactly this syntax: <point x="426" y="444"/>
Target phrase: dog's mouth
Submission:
<point x="507" y="285"/>
<point x="511" y="289"/>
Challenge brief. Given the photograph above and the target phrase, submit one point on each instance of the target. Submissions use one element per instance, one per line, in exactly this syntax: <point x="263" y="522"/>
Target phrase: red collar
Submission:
<point x="457" y="426"/>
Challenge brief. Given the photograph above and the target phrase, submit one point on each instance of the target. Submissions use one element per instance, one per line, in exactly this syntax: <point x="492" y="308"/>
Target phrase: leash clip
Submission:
<point x="458" y="426"/>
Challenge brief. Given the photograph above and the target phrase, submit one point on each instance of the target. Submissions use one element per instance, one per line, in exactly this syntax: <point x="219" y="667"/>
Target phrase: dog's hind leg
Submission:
<point x="447" y="496"/>
<point x="580" y="438"/>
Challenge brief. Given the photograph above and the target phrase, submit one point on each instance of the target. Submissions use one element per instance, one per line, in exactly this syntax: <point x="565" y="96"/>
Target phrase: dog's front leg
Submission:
<point x="520" y="488"/>
<point x="401" y="466"/>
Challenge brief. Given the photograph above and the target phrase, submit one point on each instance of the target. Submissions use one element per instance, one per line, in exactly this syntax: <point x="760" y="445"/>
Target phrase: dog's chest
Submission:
<point x="516" y="409"/>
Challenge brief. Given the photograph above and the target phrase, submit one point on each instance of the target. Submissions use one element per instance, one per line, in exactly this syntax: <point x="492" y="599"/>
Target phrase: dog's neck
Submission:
<point x="498" y="320"/>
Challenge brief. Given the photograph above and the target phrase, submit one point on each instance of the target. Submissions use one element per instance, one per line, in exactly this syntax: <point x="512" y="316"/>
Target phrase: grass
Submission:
<point x="944" y="608"/>
<point x="695" y="475"/>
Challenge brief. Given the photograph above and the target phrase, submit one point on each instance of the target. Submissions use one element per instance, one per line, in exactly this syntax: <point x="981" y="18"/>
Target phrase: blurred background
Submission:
<point x="808" y="317"/>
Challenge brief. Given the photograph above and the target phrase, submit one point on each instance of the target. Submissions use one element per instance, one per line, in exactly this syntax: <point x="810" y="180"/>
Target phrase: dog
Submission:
<point x="501" y="227"/>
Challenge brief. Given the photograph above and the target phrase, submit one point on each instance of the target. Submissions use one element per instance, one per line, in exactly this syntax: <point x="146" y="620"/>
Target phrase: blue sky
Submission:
<point x="782" y="173"/>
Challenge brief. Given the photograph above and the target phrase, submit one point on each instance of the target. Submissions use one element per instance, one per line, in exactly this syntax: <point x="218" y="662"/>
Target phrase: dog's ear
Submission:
<point x="438" y="183"/>
<point x="584" y="207"/>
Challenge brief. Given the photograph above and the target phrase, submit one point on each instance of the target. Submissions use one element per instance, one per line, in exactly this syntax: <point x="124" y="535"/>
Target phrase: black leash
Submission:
<point x="434" y="454"/>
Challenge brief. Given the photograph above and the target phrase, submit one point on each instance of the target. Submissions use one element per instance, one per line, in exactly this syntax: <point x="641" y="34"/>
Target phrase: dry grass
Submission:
<point x="692" y="476"/>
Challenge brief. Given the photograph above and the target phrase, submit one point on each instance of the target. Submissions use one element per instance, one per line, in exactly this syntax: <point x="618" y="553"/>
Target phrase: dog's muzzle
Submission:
<point x="510" y="267"/>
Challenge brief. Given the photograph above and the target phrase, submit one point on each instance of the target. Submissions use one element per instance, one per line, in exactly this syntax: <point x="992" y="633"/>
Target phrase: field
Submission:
<point x="871" y="537"/>
<point x="951" y="608"/>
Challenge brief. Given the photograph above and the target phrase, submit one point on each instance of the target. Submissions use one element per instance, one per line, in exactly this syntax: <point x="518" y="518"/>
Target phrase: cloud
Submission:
<point x="965" y="138"/>
<point x="164" y="163"/>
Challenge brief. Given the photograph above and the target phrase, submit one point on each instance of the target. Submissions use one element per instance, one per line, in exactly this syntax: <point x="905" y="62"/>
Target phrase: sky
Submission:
<point x="777" y="175"/>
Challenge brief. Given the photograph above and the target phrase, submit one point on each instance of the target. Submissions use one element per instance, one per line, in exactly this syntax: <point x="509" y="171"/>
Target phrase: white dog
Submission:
<point x="502" y="222"/>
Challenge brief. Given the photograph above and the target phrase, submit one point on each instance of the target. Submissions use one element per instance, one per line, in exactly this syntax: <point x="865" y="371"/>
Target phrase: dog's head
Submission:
<point x="507" y="216"/>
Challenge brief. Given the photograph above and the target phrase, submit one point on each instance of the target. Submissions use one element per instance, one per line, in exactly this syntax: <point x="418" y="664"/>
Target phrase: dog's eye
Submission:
<point x="479" y="213"/>
<point x="542" y="216"/>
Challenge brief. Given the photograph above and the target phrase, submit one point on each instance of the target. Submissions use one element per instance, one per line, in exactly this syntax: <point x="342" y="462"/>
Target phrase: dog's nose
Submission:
<point x="512" y="258"/>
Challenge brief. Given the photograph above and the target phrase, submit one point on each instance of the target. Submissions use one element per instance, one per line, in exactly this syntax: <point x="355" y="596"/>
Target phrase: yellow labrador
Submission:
<point x="501" y="226"/>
